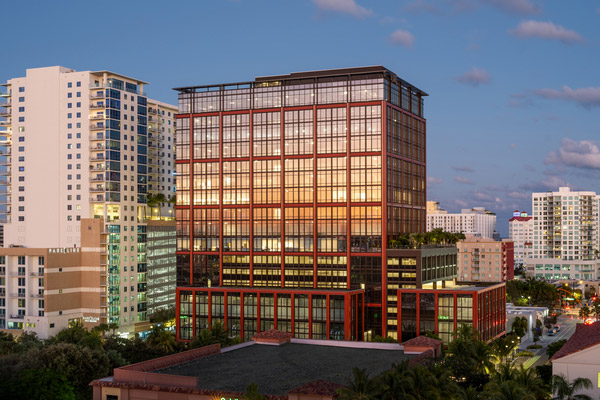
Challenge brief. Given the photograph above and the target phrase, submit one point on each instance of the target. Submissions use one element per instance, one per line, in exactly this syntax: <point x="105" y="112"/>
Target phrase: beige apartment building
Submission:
<point x="485" y="260"/>
<point x="476" y="221"/>
<point x="43" y="290"/>
<point x="87" y="144"/>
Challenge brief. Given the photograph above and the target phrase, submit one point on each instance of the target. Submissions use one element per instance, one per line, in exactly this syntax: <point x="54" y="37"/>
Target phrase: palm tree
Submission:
<point x="528" y="379"/>
<point x="483" y="356"/>
<point x="160" y="198"/>
<point x="585" y="312"/>
<point x="508" y="390"/>
<point x="162" y="339"/>
<point x="150" y="202"/>
<point x="252" y="393"/>
<point x="565" y="390"/>
<point x="361" y="388"/>
<point x="520" y="326"/>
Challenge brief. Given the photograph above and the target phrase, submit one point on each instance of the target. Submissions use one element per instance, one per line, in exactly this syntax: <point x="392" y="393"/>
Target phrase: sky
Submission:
<point x="514" y="85"/>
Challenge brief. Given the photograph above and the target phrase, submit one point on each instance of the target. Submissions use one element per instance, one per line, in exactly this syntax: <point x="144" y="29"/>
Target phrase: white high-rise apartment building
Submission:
<point x="86" y="144"/>
<point x="520" y="231"/>
<point x="475" y="221"/>
<point x="565" y="235"/>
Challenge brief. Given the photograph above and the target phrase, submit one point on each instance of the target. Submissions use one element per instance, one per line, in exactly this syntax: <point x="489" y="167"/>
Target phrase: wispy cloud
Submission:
<point x="343" y="6"/>
<point x="475" y="77"/>
<point x="578" y="154"/>
<point x="546" y="30"/>
<point x="515" y="7"/>
<point x="402" y="38"/>
<point x="587" y="97"/>
<point x="462" y="168"/>
<point x="462" y="179"/>
<point x="434" y="181"/>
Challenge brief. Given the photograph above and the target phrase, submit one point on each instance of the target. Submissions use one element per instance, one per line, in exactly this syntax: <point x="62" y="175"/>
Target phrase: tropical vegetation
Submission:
<point x="437" y="237"/>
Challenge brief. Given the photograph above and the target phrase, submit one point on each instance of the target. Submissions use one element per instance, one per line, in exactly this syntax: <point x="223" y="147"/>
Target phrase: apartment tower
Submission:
<point x="288" y="188"/>
<point x="565" y="235"/>
<point x="87" y="144"/>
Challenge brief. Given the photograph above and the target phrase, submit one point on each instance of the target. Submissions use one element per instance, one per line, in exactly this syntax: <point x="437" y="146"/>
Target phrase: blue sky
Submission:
<point x="514" y="84"/>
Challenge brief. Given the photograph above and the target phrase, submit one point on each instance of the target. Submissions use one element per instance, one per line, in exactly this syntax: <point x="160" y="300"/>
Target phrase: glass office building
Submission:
<point x="288" y="189"/>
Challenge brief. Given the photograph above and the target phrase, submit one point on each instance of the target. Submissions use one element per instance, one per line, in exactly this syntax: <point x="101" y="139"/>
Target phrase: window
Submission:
<point x="79" y="84"/>
<point x="21" y="109"/>
<point x="69" y="84"/>
<point x="21" y="99"/>
<point x="69" y="95"/>
<point x="21" y="119"/>
<point x="21" y="89"/>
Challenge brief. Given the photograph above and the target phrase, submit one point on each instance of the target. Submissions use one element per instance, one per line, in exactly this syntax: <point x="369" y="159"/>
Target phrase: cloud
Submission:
<point x="461" y="179"/>
<point x="583" y="154"/>
<point x="475" y="77"/>
<point x="420" y="7"/>
<point x="546" y="30"/>
<point x="434" y="181"/>
<point x="464" y="168"/>
<point x="402" y="38"/>
<point x="513" y="145"/>
<point x="473" y="47"/>
<point x="518" y="7"/>
<point x="343" y="6"/>
<point x="519" y="195"/>
<point x="587" y="97"/>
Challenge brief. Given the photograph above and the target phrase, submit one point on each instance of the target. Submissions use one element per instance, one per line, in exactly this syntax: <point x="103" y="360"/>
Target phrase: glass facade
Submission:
<point x="285" y="188"/>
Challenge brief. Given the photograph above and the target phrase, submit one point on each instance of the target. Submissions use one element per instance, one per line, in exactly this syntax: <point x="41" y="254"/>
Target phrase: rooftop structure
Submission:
<point x="476" y="221"/>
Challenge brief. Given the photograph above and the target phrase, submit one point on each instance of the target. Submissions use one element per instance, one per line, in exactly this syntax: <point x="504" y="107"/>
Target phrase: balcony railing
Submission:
<point x="97" y="189"/>
<point x="4" y="114"/>
<point x="97" y="136"/>
<point x="97" y="168"/>
<point x="17" y="316"/>
<point x="17" y="273"/>
<point x="37" y="296"/>
<point x="38" y="273"/>
<point x="6" y="94"/>
<point x="97" y="179"/>
<point x="99" y="95"/>
<point x="97" y="157"/>
<point x="7" y="104"/>
<point x="98" y="147"/>
<point x="97" y="127"/>
<point x="21" y="295"/>
<point x="6" y="123"/>
<point x="97" y="199"/>
<point x="97" y="116"/>
<point x="99" y="105"/>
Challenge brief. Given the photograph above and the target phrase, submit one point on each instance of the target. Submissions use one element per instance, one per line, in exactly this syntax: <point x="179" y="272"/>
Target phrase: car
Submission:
<point x="551" y="332"/>
<point x="557" y="328"/>
<point x="589" y="321"/>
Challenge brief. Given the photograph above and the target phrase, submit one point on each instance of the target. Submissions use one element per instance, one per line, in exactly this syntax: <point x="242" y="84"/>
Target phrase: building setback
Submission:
<point x="86" y="144"/>
<point x="288" y="190"/>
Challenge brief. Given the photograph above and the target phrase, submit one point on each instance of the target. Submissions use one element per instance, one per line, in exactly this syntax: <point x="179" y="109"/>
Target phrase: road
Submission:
<point x="567" y="323"/>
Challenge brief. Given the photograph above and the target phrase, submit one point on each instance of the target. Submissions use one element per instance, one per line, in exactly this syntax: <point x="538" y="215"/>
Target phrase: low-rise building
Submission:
<point x="290" y="369"/>
<point x="442" y="311"/>
<point x="476" y="221"/>
<point x="44" y="290"/>
<point x="520" y="231"/>
<point x="485" y="260"/>
<point x="580" y="358"/>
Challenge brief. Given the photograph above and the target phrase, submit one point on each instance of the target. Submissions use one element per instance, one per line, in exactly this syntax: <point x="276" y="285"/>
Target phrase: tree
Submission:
<point x="77" y="334"/>
<point x="554" y="347"/>
<point x="252" y="393"/>
<point x="160" y="198"/>
<point x="585" y="312"/>
<point x="565" y="390"/>
<point x="151" y="203"/>
<point x="520" y="326"/>
<point x="360" y="388"/>
<point x="38" y="384"/>
<point x="508" y="390"/>
<point x="163" y="315"/>
<point x="162" y="339"/>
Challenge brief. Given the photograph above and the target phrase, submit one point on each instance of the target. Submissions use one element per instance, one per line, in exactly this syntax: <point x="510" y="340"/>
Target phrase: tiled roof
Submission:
<point x="585" y="336"/>
<point x="422" y="341"/>
<point x="519" y="219"/>
<point x="272" y="334"/>
<point x="423" y="358"/>
<point x="318" y="387"/>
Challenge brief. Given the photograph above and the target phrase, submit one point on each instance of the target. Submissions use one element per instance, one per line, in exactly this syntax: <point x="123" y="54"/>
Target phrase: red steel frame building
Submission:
<point x="337" y="155"/>
<point x="443" y="311"/>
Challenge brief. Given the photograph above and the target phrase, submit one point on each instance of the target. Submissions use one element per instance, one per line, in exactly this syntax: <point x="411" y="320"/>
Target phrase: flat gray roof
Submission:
<point x="278" y="369"/>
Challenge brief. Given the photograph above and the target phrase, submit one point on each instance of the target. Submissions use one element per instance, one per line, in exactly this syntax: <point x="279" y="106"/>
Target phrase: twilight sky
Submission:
<point x="514" y="85"/>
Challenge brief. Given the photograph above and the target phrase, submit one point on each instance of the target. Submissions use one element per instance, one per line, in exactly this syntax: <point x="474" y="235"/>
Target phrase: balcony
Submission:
<point x="97" y="105"/>
<point x="19" y="295"/>
<point x="97" y="95"/>
<point x="4" y="114"/>
<point x="6" y="94"/>
<point x="97" y="179"/>
<point x="97" y="157"/>
<point x="152" y="128"/>
<point x="97" y="127"/>
<point x="40" y="274"/>
<point x="96" y="117"/>
<point x="6" y="123"/>
<point x="37" y="296"/>
<point x="98" y="147"/>
<point x="5" y="142"/>
<point x="17" y="316"/>
<point x="5" y="173"/>
<point x="97" y="168"/>
<point x="7" y="104"/>
<point x="17" y="273"/>
<point x="152" y="111"/>
<point x="97" y="199"/>
<point x="97" y="136"/>
<point x="97" y="189"/>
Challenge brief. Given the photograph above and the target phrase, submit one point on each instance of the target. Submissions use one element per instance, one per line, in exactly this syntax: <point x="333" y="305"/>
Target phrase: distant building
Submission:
<point x="580" y="358"/>
<point x="565" y="235"/>
<point x="475" y="221"/>
<point x="485" y="260"/>
<point x="520" y="231"/>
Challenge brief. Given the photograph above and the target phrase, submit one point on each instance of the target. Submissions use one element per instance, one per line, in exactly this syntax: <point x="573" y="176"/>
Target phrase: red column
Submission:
<point x="251" y="194"/>
<point x="177" y="308"/>
<point x="221" y="198"/>
<point x="190" y="220"/>
<point x="327" y="319"/>
<point x="347" y="317"/>
<point x="384" y="218"/>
